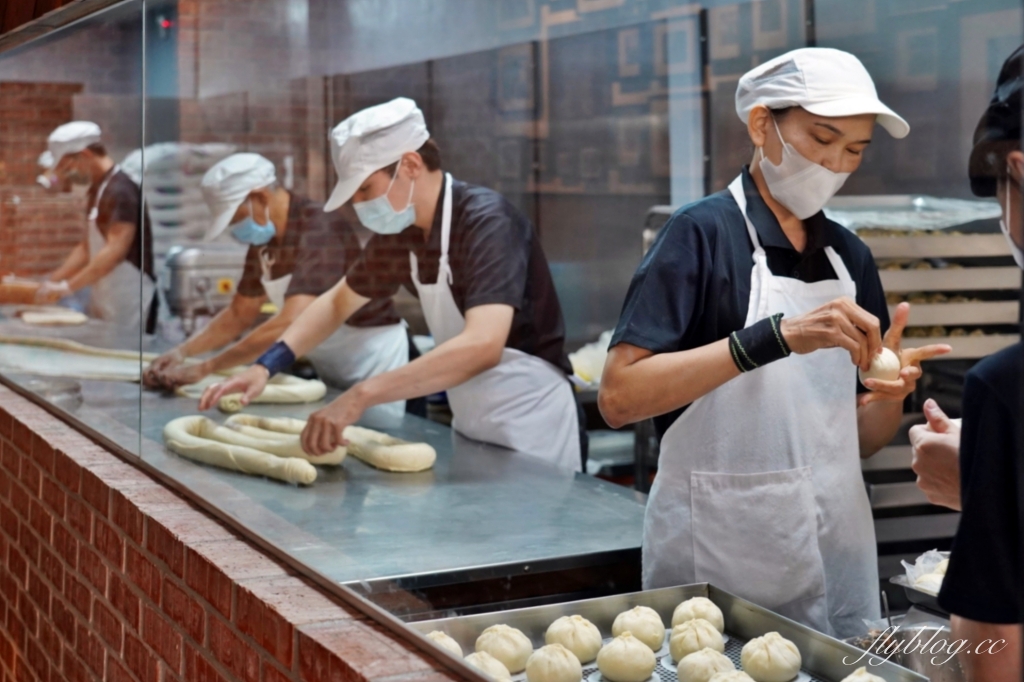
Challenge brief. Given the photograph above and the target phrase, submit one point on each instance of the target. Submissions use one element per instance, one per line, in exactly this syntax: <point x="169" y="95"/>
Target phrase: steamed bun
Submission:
<point x="700" y="666"/>
<point x="445" y="642"/>
<point x="508" y="645"/>
<point x="577" y="634"/>
<point x="885" y="367"/>
<point x="929" y="582"/>
<point x="644" y="623"/>
<point x="692" y="636"/>
<point x="771" y="658"/>
<point x="699" y="607"/>
<point x="862" y="675"/>
<point x="489" y="665"/>
<point x="731" y="676"/>
<point x="626" y="659"/>
<point x="941" y="568"/>
<point x="553" y="663"/>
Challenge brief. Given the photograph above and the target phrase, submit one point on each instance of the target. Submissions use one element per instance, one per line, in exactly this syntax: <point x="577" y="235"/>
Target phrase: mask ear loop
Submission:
<point x="777" y="132"/>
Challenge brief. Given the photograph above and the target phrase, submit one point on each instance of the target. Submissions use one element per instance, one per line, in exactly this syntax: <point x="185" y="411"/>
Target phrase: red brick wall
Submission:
<point x="107" y="575"/>
<point x="38" y="229"/>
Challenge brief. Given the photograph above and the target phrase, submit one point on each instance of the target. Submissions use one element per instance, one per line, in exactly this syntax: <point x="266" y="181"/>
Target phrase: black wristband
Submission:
<point x="278" y="357"/>
<point x="759" y="344"/>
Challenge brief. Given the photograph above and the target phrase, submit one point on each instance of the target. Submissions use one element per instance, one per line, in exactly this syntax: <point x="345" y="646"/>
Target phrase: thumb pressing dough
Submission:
<point x="268" y="436"/>
<point x="884" y="367"/>
<point x="282" y="389"/>
<point x="191" y="437"/>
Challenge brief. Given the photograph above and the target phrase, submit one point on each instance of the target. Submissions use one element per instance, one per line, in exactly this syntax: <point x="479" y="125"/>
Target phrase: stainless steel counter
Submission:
<point x="482" y="513"/>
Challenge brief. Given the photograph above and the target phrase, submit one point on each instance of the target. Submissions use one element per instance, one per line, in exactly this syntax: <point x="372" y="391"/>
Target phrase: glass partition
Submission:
<point x="573" y="130"/>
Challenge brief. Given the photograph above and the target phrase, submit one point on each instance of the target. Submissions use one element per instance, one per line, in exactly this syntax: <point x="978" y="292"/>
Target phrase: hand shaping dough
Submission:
<point x="692" y="636"/>
<point x="276" y="435"/>
<point x="444" y="641"/>
<point x="862" y="675"/>
<point x="731" y="676"/>
<point x="508" y="645"/>
<point x="702" y="665"/>
<point x="553" y="663"/>
<point x="771" y="658"/>
<point x="282" y="389"/>
<point x="577" y="634"/>
<point x="885" y="367"/>
<point x="387" y="452"/>
<point x="190" y="437"/>
<point x="699" y="607"/>
<point x="644" y="623"/>
<point x="489" y="665"/>
<point x="626" y="659"/>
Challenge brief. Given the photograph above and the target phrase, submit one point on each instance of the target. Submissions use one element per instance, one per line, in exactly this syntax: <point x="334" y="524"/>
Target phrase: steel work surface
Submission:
<point x="479" y="512"/>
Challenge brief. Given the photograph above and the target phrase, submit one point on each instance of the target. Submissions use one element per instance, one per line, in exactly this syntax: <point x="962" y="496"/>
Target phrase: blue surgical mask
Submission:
<point x="379" y="216"/>
<point x="248" y="231"/>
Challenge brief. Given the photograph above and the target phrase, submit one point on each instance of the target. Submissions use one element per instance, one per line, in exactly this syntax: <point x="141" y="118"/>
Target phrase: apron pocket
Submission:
<point x="756" y="535"/>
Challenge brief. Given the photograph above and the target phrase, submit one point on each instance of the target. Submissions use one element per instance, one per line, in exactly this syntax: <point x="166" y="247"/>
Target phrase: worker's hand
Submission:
<point x="250" y="383"/>
<point x="184" y="374"/>
<point x="937" y="456"/>
<point x="910" y="363"/>
<point x="838" y="324"/>
<point x="323" y="432"/>
<point x="151" y="378"/>
<point x="51" y="292"/>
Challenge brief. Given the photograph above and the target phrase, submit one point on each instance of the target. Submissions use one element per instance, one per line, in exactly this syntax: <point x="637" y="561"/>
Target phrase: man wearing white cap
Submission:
<point x="741" y="335"/>
<point x="115" y="257"/>
<point x="296" y="252"/>
<point x="475" y="263"/>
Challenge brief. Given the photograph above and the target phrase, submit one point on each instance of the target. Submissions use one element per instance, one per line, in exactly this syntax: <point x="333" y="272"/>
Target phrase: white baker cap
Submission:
<point x="372" y="139"/>
<point x="228" y="183"/>
<point x="822" y="80"/>
<point x="72" y="138"/>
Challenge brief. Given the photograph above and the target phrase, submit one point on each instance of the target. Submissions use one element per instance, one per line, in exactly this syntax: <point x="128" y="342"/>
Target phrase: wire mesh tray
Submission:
<point x="823" y="656"/>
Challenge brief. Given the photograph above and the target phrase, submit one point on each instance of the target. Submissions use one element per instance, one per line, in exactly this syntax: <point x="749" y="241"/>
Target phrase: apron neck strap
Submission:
<point x="446" y="217"/>
<point x="103" y="185"/>
<point x="740" y="196"/>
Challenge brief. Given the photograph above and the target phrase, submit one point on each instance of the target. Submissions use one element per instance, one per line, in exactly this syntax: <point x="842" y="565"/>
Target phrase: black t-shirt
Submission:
<point x="121" y="202"/>
<point x="316" y="250"/>
<point x="495" y="257"/>
<point x="983" y="581"/>
<point x="693" y="286"/>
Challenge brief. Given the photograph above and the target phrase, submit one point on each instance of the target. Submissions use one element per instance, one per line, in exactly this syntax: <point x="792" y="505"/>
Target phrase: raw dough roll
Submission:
<point x="282" y="389"/>
<point x="702" y="665"/>
<point x="699" y="607"/>
<point x="885" y="367"/>
<point x="553" y="663"/>
<point x="644" y="623"/>
<point x="387" y="452"/>
<point x="626" y="659"/>
<point x="771" y="658"/>
<point x="862" y="675"/>
<point x="508" y="645"/>
<point x="577" y="634"/>
<point x="445" y="641"/>
<point x="692" y="636"/>
<point x="188" y="436"/>
<point x="55" y="316"/>
<point x="489" y="665"/>
<point x="274" y="435"/>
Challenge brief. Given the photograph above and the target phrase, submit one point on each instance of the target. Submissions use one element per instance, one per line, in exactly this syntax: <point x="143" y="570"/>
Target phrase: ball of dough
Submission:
<point x="731" y="676"/>
<point x="699" y="607"/>
<point x="885" y="367"/>
<point x="644" y="623"/>
<point x="702" y="665"/>
<point x="771" y="658"/>
<point x="508" y="645"/>
<point x="577" y="634"/>
<point x="929" y="582"/>
<point x="942" y="567"/>
<point x="445" y="642"/>
<point x="862" y="675"/>
<point x="553" y="663"/>
<point x="489" y="665"/>
<point x="692" y="636"/>
<point x="626" y="659"/>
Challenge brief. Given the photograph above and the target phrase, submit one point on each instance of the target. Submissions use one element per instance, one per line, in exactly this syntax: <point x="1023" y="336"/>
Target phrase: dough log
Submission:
<point x="193" y="438"/>
<point x="276" y="435"/>
<point x="387" y="452"/>
<point x="282" y="389"/>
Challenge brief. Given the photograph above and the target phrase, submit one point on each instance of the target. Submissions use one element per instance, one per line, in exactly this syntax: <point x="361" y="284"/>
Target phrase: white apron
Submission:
<point x="350" y="354"/>
<point x="116" y="297"/>
<point x="759" y="488"/>
<point x="524" y="403"/>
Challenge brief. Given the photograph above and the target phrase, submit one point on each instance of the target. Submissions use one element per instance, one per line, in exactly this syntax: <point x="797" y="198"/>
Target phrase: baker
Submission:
<point x="476" y="264"/>
<point x="978" y="469"/>
<point x="114" y="259"/>
<point x="741" y="335"/>
<point x="296" y="252"/>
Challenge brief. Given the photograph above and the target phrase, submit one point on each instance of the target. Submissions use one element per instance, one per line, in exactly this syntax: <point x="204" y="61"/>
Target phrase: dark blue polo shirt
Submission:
<point x="983" y="581"/>
<point x="693" y="286"/>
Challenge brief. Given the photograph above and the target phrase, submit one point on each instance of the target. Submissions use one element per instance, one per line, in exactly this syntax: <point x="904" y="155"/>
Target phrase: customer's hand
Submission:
<point x="937" y="457"/>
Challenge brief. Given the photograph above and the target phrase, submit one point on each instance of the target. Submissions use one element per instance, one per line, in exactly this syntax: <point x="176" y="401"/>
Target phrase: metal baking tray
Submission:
<point x="918" y="597"/>
<point x="823" y="656"/>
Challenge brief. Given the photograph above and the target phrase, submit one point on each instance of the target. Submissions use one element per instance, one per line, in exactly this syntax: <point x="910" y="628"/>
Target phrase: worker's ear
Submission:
<point x="757" y="124"/>
<point x="412" y="165"/>
<point x="260" y="199"/>
<point x="1015" y="166"/>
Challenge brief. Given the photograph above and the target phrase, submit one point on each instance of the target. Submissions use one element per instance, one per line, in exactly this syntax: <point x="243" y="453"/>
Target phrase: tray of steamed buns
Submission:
<point x="692" y="633"/>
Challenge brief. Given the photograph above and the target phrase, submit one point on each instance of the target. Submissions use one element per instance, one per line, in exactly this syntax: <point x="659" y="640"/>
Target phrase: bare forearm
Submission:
<point x="322" y="318"/>
<point x="101" y="265"/>
<point x="225" y="327"/>
<point x="664" y="382"/>
<point x="76" y="260"/>
<point x="251" y="346"/>
<point x="993" y="653"/>
<point x="877" y="424"/>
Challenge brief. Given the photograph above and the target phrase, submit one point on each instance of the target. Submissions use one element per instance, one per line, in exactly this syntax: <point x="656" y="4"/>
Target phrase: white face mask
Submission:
<point x="799" y="184"/>
<point x="1004" y="225"/>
